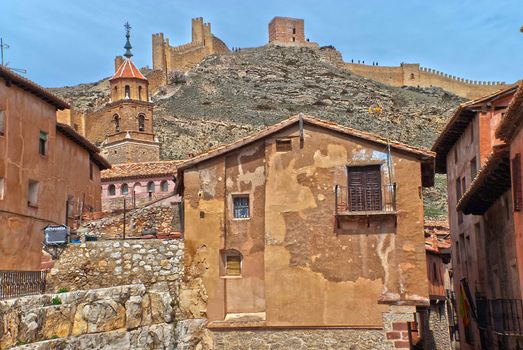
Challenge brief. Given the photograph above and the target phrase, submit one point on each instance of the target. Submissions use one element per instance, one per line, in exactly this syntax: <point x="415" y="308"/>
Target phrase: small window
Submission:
<point x="283" y="145"/>
<point x="2" y="123"/>
<point x="116" y="120"/>
<point x="42" y="143"/>
<point x="233" y="263"/>
<point x="124" y="190"/>
<point x="293" y="30"/>
<point x="111" y="190"/>
<point x="473" y="168"/>
<point x="241" y="207"/>
<point x="517" y="182"/>
<point x="32" y="193"/>
<point x="141" y="122"/>
<point x="136" y="187"/>
<point x="140" y="93"/>
<point x="150" y="187"/>
<point x="91" y="168"/>
<point x="127" y="91"/>
<point x="293" y="39"/>
<point x="412" y="77"/>
<point x="2" y="184"/>
<point x="164" y="186"/>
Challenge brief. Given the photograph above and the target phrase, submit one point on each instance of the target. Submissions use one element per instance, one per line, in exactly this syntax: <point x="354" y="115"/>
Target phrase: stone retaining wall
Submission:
<point x="118" y="262"/>
<point x="123" y="317"/>
<point x="161" y="219"/>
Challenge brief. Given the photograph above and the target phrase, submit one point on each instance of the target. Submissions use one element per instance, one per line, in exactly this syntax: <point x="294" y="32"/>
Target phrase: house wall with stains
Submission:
<point x="298" y="268"/>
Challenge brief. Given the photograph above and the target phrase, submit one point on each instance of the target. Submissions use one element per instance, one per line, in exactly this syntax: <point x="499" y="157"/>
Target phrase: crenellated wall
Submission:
<point x="414" y="75"/>
<point x="167" y="58"/>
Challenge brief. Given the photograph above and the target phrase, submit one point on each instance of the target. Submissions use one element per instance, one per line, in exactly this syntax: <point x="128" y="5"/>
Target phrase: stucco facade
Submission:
<point x="36" y="187"/>
<point x="302" y="265"/>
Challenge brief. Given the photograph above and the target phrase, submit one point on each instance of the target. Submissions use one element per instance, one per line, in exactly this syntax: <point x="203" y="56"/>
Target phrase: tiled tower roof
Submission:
<point x="128" y="70"/>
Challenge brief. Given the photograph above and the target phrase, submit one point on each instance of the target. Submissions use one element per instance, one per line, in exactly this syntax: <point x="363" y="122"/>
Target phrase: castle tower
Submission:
<point x="131" y="114"/>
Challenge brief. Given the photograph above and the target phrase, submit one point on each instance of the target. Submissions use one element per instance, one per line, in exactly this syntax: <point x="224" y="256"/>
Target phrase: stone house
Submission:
<point x="48" y="172"/>
<point x="484" y="246"/>
<point x="140" y="183"/>
<point x="308" y="225"/>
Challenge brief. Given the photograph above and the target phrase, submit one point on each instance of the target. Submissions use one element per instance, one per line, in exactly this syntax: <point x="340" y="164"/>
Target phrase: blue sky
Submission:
<point x="66" y="42"/>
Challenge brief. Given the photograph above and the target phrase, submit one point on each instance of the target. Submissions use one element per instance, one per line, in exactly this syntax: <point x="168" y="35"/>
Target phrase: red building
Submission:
<point x="473" y="152"/>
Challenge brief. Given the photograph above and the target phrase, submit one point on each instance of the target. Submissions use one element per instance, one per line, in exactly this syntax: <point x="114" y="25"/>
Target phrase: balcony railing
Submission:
<point x="365" y="199"/>
<point x="503" y="316"/>
<point x="19" y="283"/>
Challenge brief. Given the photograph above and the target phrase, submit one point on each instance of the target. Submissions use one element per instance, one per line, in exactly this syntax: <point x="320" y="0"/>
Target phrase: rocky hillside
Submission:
<point x="229" y="96"/>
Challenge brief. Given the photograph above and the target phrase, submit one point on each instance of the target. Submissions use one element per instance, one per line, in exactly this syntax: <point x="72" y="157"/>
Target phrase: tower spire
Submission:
<point x="128" y="46"/>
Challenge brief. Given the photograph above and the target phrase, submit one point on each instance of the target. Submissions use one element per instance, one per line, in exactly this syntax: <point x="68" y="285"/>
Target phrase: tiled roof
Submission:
<point x="30" y="86"/>
<point x="437" y="236"/>
<point x="140" y="170"/>
<point x="420" y="153"/>
<point x="457" y="125"/>
<point x="128" y="70"/>
<point x="85" y="144"/>
<point x="513" y="118"/>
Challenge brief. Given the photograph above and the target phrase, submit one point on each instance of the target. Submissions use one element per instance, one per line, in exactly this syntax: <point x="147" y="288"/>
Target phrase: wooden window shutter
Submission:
<point x="233" y="265"/>
<point x="517" y="189"/>
<point x="364" y="188"/>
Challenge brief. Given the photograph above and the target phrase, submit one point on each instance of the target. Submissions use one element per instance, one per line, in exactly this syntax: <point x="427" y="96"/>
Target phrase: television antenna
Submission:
<point x="5" y="46"/>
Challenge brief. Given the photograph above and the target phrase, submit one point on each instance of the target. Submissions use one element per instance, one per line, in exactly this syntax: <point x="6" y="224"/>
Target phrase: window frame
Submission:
<point x="111" y="190"/>
<point x="166" y="184"/>
<point x="364" y="187"/>
<point x="32" y="196"/>
<point x="283" y="144"/>
<point x="3" y="122"/>
<point x="43" y="147"/>
<point x="225" y="254"/>
<point x="126" y="187"/>
<point x="239" y="196"/>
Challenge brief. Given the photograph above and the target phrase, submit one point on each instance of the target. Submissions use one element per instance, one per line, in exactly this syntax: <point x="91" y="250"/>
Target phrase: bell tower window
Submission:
<point x="141" y="122"/>
<point x="116" y="119"/>
<point x="140" y="93"/>
<point x="127" y="91"/>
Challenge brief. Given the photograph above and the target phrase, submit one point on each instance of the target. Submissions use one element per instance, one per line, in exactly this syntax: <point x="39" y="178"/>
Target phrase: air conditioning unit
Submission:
<point x="56" y="235"/>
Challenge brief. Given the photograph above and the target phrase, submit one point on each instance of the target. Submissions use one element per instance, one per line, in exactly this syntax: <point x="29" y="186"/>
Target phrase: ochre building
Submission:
<point x="308" y="225"/>
<point x="47" y="171"/>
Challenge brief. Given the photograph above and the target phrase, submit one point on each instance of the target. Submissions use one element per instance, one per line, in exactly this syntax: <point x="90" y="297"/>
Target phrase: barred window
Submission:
<point x="232" y="260"/>
<point x="241" y="206"/>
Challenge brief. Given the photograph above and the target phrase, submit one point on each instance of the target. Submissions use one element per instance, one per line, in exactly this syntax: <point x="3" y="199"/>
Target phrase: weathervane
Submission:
<point x="128" y="46"/>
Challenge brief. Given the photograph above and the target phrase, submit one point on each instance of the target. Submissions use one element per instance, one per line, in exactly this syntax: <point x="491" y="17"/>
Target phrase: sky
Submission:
<point x="67" y="42"/>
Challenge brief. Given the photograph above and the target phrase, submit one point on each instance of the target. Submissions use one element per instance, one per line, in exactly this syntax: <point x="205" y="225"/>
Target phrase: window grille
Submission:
<point x="241" y="207"/>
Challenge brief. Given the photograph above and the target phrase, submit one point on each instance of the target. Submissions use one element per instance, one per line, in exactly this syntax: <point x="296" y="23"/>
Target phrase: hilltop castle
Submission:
<point x="167" y="58"/>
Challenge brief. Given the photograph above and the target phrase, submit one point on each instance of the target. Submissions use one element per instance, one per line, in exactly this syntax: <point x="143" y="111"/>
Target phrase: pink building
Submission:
<point x="139" y="183"/>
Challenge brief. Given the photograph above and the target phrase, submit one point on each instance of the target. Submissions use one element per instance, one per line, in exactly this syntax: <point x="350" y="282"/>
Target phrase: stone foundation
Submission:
<point x="123" y="317"/>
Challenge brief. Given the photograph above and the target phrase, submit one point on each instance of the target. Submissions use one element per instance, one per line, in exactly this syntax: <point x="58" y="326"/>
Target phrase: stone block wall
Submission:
<point x="163" y="219"/>
<point x="122" y="317"/>
<point x="110" y="263"/>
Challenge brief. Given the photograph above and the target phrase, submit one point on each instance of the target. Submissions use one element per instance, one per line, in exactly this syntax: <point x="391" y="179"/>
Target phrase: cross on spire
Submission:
<point x="128" y="46"/>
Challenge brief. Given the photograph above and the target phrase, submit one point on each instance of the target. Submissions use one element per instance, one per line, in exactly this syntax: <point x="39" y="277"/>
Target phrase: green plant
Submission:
<point x="63" y="290"/>
<point x="56" y="301"/>
<point x="55" y="337"/>
<point x="21" y="342"/>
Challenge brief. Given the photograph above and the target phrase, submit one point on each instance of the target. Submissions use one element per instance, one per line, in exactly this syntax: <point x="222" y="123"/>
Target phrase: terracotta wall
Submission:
<point x="297" y="267"/>
<point x="516" y="147"/>
<point x="63" y="172"/>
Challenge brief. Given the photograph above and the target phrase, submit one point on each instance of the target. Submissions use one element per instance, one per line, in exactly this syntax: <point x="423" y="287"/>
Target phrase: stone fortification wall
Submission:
<point x="414" y="75"/>
<point x="122" y="317"/>
<point x="110" y="263"/>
